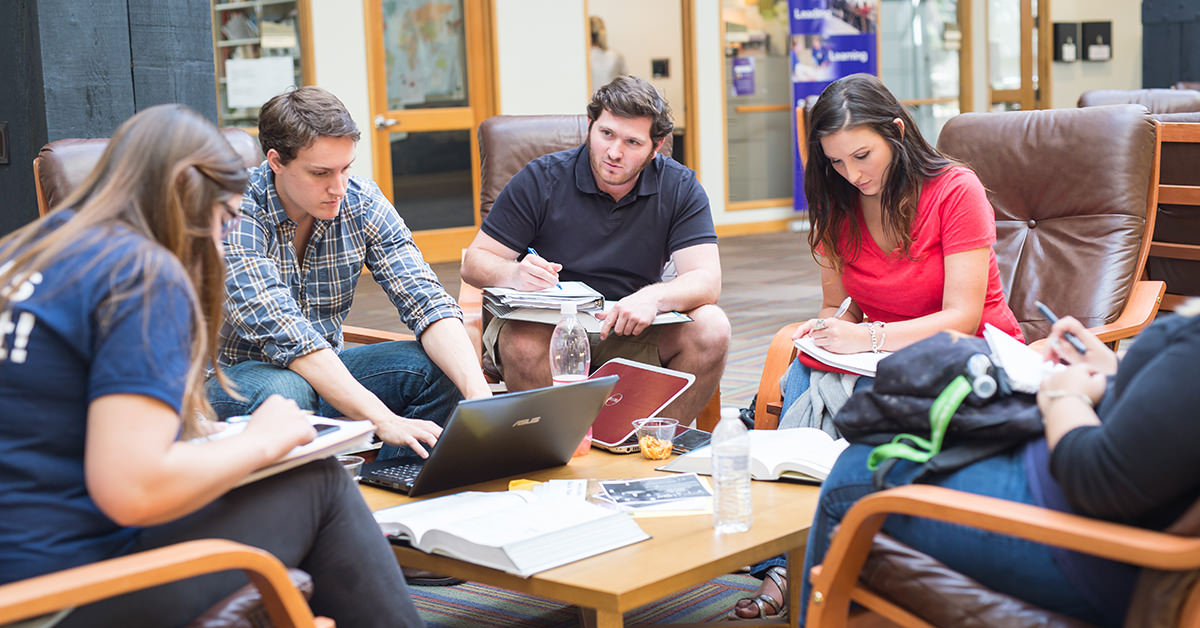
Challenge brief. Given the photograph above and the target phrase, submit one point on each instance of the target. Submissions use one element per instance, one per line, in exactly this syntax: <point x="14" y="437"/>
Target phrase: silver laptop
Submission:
<point x="491" y="438"/>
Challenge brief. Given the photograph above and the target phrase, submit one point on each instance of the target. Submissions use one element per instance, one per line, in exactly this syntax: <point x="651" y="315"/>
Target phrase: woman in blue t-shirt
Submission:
<point x="109" y="311"/>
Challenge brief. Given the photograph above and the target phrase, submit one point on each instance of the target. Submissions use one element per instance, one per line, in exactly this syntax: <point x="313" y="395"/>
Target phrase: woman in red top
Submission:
<point x="902" y="230"/>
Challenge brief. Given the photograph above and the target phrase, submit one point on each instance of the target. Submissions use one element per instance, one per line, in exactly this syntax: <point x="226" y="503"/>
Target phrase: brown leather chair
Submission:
<point x="506" y="145"/>
<point x="1175" y="249"/>
<point x="279" y="597"/>
<point x="62" y="165"/>
<point x="1075" y="195"/>
<point x="1156" y="100"/>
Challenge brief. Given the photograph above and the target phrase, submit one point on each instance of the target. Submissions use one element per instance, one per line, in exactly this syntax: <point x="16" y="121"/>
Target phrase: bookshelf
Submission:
<point x="260" y="47"/>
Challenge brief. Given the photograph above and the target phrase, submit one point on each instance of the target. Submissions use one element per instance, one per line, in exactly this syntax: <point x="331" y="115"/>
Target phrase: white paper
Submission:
<point x="251" y="82"/>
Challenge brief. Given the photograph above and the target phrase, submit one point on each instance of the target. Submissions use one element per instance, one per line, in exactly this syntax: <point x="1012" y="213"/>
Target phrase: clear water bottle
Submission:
<point x="570" y="358"/>
<point x="731" y="474"/>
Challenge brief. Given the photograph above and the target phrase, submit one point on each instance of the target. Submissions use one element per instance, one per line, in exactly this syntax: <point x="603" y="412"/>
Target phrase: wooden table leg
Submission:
<point x="795" y="560"/>
<point x="592" y="618"/>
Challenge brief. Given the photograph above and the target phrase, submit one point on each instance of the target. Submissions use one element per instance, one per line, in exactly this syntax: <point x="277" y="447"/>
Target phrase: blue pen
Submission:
<point x="533" y="252"/>
<point x="1075" y="342"/>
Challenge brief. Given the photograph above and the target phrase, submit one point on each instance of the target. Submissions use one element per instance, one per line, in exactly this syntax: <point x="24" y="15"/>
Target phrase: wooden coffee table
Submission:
<point x="683" y="551"/>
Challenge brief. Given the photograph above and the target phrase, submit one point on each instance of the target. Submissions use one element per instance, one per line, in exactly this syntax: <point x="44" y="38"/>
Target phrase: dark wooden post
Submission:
<point x="78" y="69"/>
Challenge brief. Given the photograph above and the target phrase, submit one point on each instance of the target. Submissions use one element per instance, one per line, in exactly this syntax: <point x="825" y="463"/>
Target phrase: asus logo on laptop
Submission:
<point x="529" y="421"/>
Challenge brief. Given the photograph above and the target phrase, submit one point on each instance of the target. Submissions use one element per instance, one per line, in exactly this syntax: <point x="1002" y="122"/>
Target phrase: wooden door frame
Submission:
<point x="1025" y="94"/>
<point x="437" y="245"/>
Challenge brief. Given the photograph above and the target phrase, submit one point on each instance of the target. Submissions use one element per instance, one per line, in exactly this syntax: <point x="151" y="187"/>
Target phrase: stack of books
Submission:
<point x="582" y="295"/>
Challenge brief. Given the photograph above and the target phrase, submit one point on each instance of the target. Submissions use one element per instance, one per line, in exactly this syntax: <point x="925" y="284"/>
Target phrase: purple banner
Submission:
<point x="743" y="76"/>
<point x="829" y="39"/>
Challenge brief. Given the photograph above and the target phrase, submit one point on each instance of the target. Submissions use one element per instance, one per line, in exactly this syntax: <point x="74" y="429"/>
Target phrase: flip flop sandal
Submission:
<point x="778" y="609"/>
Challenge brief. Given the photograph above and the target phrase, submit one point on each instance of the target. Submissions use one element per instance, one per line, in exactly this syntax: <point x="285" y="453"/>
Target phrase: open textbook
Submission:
<point x="551" y="317"/>
<point x="1024" y="367"/>
<point x="514" y="531"/>
<point x="858" y="363"/>
<point x="334" y="437"/>
<point x="801" y="453"/>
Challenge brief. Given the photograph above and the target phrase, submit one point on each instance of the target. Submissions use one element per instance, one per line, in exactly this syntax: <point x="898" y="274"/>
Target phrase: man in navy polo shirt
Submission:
<point x="610" y="213"/>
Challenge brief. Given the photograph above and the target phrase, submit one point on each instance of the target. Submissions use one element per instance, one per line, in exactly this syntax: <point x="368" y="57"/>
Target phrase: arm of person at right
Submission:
<point x="698" y="283"/>
<point x="487" y="262"/>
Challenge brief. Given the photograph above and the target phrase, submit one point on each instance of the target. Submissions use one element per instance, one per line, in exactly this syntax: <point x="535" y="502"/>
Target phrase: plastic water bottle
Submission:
<point x="570" y="358"/>
<point x="731" y="474"/>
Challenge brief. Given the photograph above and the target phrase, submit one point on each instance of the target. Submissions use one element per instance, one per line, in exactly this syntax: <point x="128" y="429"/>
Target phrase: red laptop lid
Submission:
<point x="642" y="391"/>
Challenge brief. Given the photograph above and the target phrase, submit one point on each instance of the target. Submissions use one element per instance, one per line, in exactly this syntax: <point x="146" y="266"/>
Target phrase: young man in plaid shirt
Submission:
<point x="305" y="232"/>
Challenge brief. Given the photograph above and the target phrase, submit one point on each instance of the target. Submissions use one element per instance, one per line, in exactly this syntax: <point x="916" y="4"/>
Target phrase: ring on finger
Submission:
<point x="820" y="324"/>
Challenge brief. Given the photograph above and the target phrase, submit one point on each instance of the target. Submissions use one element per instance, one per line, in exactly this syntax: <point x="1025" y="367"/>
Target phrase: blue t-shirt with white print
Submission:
<point x="112" y="315"/>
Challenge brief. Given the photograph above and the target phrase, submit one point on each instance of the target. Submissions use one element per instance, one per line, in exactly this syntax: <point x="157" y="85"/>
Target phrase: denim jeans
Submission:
<point x="399" y="373"/>
<point x="1020" y="568"/>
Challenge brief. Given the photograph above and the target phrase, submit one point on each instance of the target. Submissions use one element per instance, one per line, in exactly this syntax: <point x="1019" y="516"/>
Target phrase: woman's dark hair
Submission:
<point x="855" y="101"/>
<point x="631" y="97"/>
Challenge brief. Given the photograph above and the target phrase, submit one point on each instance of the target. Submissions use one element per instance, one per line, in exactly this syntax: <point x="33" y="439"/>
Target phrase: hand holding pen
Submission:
<point x="1053" y="318"/>
<point x="1098" y="357"/>
<point x="536" y="273"/>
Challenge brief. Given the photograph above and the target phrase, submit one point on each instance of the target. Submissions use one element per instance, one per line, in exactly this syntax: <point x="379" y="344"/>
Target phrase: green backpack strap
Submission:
<point x="915" y="448"/>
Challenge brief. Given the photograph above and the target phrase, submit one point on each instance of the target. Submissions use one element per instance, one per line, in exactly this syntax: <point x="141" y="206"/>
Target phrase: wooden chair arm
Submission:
<point x="779" y="356"/>
<point x="853" y="541"/>
<point x="470" y="299"/>
<point x="89" y="583"/>
<point x="368" y="336"/>
<point x="1140" y="309"/>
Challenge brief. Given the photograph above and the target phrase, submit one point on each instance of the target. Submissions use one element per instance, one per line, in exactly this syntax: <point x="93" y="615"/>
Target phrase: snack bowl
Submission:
<point x="352" y="464"/>
<point x="656" y="437"/>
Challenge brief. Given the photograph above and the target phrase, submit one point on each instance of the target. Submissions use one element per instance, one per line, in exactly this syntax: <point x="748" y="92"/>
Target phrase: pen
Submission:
<point x="1075" y="342"/>
<point x="243" y="418"/>
<point x="533" y="252"/>
<point x="843" y="307"/>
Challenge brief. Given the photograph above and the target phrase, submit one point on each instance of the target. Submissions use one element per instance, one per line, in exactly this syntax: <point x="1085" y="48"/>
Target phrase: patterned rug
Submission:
<point x="472" y="604"/>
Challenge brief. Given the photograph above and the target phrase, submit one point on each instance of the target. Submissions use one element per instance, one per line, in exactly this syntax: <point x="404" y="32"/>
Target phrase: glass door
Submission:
<point x="922" y="42"/>
<point x="1018" y="58"/>
<point x="430" y="87"/>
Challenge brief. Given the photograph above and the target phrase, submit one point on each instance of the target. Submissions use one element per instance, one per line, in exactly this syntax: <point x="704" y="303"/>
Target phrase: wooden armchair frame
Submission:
<point x="1177" y="194"/>
<point x="834" y="587"/>
<point x="82" y="585"/>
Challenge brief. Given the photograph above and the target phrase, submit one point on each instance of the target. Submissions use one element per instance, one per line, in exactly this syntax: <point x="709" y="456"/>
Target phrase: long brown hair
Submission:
<point x="854" y="101"/>
<point x="161" y="174"/>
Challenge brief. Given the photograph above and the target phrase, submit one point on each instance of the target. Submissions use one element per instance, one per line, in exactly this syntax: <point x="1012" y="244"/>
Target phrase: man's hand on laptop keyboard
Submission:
<point x="411" y="433"/>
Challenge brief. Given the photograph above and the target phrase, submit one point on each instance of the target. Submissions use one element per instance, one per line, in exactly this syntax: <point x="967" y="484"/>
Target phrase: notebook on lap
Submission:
<point x="485" y="439"/>
<point x="642" y="391"/>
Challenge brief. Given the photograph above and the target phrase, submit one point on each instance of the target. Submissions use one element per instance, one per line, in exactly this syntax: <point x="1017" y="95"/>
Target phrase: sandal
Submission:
<point x="768" y="607"/>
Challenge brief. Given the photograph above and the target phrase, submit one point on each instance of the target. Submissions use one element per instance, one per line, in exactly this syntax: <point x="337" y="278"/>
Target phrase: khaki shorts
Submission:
<point x="640" y="348"/>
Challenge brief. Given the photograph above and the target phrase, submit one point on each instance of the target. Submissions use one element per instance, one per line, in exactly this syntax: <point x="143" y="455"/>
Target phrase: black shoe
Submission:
<point x="425" y="578"/>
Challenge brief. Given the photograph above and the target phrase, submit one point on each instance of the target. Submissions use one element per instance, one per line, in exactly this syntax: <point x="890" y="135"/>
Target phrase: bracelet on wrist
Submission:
<point x="1067" y="394"/>
<point x="878" y="335"/>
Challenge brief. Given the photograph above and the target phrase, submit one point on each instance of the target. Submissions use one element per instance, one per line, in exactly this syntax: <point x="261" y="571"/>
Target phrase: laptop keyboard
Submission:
<point x="404" y="474"/>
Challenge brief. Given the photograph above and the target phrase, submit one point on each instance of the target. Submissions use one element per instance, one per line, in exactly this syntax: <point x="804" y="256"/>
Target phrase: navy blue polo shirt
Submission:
<point x="618" y="247"/>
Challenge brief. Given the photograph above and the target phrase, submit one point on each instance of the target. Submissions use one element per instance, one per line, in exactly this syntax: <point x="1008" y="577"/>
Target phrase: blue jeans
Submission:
<point x="399" y="373"/>
<point x="799" y="377"/>
<point x="1020" y="568"/>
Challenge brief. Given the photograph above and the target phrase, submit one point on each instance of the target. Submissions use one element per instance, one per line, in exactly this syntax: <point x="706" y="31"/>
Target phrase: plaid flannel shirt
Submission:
<point x="278" y="308"/>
